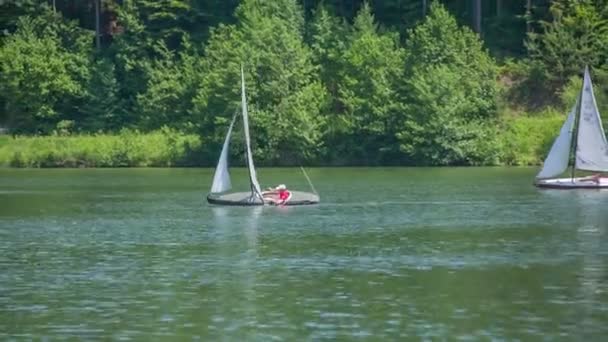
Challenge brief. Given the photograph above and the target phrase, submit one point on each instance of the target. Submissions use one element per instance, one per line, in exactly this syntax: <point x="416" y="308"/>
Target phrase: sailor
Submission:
<point x="278" y="195"/>
<point x="594" y="178"/>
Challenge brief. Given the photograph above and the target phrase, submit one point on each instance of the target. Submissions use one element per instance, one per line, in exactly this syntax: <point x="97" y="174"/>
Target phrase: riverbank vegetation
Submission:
<point x="334" y="82"/>
<point x="127" y="148"/>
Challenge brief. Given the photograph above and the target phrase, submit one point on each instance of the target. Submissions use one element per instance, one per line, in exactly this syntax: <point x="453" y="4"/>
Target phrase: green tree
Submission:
<point x="172" y="20"/>
<point x="10" y="11"/>
<point x="44" y="67"/>
<point x="173" y="83"/>
<point x="131" y="53"/>
<point x="165" y="19"/>
<point x="450" y="92"/>
<point x="327" y="37"/>
<point x="284" y="91"/>
<point x="103" y="109"/>
<point x="370" y="70"/>
<point x="577" y="35"/>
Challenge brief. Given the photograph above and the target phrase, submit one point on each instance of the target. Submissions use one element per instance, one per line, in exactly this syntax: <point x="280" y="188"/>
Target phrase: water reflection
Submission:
<point x="248" y="264"/>
<point x="236" y="310"/>
<point x="593" y="218"/>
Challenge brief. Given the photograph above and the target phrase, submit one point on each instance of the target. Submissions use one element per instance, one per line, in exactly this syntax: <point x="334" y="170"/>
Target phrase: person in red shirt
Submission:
<point x="279" y="195"/>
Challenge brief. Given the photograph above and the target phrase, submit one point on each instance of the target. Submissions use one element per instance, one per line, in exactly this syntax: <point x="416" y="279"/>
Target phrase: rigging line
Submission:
<point x="308" y="179"/>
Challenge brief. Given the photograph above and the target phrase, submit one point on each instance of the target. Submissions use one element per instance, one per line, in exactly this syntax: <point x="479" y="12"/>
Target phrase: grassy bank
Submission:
<point x="521" y="140"/>
<point x="127" y="149"/>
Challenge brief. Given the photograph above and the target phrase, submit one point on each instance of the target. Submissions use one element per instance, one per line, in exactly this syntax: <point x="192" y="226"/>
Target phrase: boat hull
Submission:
<point x="572" y="183"/>
<point x="244" y="199"/>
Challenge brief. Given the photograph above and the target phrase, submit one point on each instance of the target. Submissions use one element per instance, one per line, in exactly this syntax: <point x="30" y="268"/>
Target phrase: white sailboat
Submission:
<point x="221" y="179"/>
<point x="581" y="135"/>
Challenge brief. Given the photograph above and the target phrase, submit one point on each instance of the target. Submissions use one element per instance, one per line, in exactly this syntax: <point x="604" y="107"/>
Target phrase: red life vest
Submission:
<point x="283" y="195"/>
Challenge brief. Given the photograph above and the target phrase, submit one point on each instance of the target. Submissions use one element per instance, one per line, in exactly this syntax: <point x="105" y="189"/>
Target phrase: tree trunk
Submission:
<point x="424" y="5"/>
<point x="477" y="16"/>
<point x="498" y="8"/>
<point x="97" y="29"/>
<point x="528" y="16"/>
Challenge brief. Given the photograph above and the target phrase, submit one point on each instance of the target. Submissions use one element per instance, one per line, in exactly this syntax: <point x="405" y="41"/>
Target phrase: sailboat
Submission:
<point x="582" y="140"/>
<point x="221" y="179"/>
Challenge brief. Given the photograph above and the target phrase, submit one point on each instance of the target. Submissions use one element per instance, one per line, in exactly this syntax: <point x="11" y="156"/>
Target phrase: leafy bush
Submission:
<point x="526" y="139"/>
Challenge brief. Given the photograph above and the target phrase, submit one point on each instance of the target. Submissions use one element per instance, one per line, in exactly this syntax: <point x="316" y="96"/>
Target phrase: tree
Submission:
<point x="477" y="15"/>
<point x="103" y="109"/>
<point x="328" y="42"/>
<point x="576" y="36"/>
<point x="43" y="71"/>
<point x="10" y="11"/>
<point x="131" y="53"/>
<point x="284" y="91"/>
<point x="437" y="130"/>
<point x="450" y="90"/>
<point x="172" y="85"/>
<point x="165" y="19"/>
<point x="368" y="77"/>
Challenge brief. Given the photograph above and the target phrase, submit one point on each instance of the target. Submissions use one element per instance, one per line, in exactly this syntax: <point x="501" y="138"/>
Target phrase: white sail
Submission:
<point x="559" y="155"/>
<point x="255" y="185"/>
<point x="591" y="147"/>
<point x="221" y="178"/>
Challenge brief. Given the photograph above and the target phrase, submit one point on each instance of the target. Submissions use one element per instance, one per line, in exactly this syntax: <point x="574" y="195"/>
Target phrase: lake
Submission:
<point x="389" y="254"/>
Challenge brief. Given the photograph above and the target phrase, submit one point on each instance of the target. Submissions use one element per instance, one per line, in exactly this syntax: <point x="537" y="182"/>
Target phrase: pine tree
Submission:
<point x="576" y="36"/>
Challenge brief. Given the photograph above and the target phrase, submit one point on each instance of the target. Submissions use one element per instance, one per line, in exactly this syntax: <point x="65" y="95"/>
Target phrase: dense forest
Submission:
<point x="330" y="82"/>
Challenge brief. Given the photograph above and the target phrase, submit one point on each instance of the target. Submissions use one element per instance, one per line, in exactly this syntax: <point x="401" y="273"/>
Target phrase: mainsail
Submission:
<point x="221" y="178"/>
<point x="255" y="185"/>
<point x="559" y="155"/>
<point x="592" y="148"/>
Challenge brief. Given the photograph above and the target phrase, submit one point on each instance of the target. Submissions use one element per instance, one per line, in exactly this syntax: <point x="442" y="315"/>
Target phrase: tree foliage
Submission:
<point x="43" y="65"/>
<point x="169" y="94"/>
<point x="576" y="36"/>
<point x="284" y="91"/>
<point x="450" y="91"/>
<point x="328" y="81"/>
<point x="368" y="76"/>
<point x="103" y="108"/>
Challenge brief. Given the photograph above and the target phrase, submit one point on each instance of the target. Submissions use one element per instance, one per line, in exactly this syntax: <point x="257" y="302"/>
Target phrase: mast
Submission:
<point x="577" y="121"/>
<point x="575" y="134"/>
<point x="576" y="124"/>
<point x="253" y="180"/>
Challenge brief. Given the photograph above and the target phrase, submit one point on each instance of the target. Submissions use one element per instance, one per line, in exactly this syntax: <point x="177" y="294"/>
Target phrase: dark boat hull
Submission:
<point x="244" y="199"/>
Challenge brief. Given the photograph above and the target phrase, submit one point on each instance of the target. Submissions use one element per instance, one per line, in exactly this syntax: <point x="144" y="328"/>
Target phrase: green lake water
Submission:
<point x="389" y="254"/>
